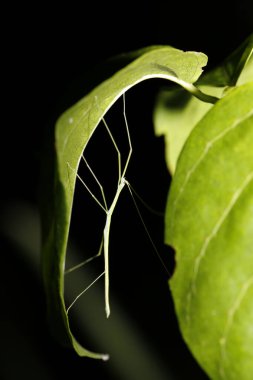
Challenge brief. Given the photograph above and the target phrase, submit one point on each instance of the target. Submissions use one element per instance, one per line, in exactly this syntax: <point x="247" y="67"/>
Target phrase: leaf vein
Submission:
<point x="230" y="319"/>
<point x="216" y="228"/>
<point x="206" y="149"/>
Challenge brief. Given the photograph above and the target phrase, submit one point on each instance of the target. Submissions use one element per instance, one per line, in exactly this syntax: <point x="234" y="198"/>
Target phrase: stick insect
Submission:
<point x="121" y="183"/>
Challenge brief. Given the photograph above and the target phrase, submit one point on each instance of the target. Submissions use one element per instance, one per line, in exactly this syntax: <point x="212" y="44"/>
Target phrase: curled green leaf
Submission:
<point x="73" y="131"/>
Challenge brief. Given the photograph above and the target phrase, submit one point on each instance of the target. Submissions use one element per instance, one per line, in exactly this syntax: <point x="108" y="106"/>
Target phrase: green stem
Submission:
<point x="199" y="94"/>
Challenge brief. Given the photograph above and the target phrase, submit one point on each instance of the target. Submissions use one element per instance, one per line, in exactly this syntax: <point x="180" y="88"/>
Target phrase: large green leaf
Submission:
<point x="73" y="131"/>
<point x="209" y="222"/>
<point x="177" y="112"/>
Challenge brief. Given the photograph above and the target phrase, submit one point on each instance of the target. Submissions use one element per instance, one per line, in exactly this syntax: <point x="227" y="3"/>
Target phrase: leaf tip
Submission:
<point x="105" y="357"/>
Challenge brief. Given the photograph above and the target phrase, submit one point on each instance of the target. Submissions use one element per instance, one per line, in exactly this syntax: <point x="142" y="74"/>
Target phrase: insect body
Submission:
<point x="109" y="211"/>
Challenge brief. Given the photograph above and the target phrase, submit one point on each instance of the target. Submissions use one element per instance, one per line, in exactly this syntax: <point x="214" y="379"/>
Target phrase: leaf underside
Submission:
<point x="73" y="131"/>
<point x="209" y="222"/>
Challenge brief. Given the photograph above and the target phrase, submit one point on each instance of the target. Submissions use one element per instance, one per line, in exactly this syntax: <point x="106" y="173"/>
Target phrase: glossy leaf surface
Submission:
<point x="209" y="222"/>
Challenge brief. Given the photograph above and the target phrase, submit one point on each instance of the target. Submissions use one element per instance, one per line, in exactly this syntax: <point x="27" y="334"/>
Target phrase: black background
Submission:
<point x="47" y="53"/>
